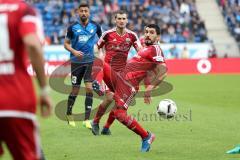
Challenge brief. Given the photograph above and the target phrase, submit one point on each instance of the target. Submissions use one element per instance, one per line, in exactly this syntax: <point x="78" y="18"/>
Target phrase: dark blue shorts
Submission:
<point x="81" y="71"/>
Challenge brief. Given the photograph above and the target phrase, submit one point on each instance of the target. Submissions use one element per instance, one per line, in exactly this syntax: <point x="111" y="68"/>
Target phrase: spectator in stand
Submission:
<point x="212" y="53"/>
<point x="231" y="12"/>
<point x="55" y="38"/>
<point x="185" y="53"/>
<point x="176" y="14"/>
<point x="184" y="8"/>
<point x="174" y="52"/>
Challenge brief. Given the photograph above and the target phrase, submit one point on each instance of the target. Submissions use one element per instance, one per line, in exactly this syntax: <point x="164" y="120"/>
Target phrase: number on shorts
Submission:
<point x="74" y="79"/>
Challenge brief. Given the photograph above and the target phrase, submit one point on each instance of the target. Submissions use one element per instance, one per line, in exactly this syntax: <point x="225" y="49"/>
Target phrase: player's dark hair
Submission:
<point x="84" y="4"/>
<point x="155" y="26"/>
<point x="120" y="12"/>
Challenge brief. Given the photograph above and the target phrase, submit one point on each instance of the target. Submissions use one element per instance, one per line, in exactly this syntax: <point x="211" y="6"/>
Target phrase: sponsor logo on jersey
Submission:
<point x="122" y="47"/>
<point x="83" y="38"/>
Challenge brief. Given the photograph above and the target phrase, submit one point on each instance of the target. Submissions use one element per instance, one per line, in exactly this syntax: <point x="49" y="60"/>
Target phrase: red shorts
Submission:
<point x="21" y="138"/>
<point x="124" y="92"/>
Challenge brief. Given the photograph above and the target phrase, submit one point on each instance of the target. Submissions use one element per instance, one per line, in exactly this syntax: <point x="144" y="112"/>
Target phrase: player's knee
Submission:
<point x="75" y="91"/>
<point x="109" y="99"/>
<point x="89" y="90"/>
<point x="120" y="115"/>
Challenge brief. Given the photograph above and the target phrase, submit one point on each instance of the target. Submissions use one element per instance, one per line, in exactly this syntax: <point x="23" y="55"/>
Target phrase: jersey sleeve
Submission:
<point x="157" y="54"/>
<point x="136" y="42"/>
<point x="31" y="22"/>
<point x="99" y="31"/>
<point x="101" y="42"/>
<point x="69" y="34"/>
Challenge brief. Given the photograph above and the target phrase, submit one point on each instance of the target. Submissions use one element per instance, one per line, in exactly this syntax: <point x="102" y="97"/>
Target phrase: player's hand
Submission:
<point x="78" y="54"/>
<point x="147" y="97"/>
<point x="147" y="94"/>
<point x="45" y="104"/>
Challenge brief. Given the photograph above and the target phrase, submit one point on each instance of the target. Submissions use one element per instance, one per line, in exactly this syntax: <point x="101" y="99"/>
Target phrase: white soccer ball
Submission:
<point x="167" y="108"/>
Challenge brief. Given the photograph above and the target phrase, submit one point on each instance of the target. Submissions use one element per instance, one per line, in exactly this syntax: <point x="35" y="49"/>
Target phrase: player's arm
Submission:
<point x="150" y="76"/>
<point x="100" y="45"/>
<point x="35" y="51"/>
<point x="31" y="32"/>
<point x="161" y="73"/>
<point x="68" y="46"/>
<point x="101" y="54"/>
<point x="137" y="44"/>
<point x="99" y="31"/>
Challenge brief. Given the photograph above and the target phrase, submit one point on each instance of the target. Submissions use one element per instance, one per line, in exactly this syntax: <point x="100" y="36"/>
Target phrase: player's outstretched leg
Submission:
<point x="146" y="142"/>
<point x="132" y="124"/>
<point x="235" y="150"/>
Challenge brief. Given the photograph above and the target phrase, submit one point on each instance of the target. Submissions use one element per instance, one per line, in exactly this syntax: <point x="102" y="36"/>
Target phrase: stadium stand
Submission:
<point x="231" y="13"/>
<point x="179" y="19"/>
<point x="225" y="44"/>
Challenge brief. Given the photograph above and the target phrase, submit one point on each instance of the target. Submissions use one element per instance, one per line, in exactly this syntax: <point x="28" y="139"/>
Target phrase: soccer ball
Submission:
<point x="167" y="108"/>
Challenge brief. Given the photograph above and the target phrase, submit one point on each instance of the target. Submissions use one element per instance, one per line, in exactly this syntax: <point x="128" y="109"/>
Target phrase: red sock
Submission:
<point x="130" y="123"/>
<point x="101" y="110"/>
<point x="110" y="120"/>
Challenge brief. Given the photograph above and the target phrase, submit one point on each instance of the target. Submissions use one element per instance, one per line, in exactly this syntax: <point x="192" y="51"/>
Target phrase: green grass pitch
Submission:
<point x="206" y="127"/>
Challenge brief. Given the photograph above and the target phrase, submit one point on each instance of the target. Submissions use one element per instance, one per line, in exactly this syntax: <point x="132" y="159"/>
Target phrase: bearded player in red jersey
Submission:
<point x="126" y="83"/>
<point x="117" y="43"/>
<point x="20" y="33"/>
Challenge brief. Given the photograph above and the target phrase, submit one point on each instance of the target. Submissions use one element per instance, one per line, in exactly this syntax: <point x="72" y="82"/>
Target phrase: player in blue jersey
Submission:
<point x="79" y="41"/>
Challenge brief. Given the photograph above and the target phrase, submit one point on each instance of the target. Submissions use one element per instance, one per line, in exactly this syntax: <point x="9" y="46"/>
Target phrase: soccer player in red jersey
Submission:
<point x="117" y="43"/>
<point x="20" y="33"/>
<point x="126" y="83"/>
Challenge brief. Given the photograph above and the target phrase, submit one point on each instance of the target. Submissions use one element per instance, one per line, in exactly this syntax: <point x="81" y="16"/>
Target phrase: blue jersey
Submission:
<point x="82" y="39"/>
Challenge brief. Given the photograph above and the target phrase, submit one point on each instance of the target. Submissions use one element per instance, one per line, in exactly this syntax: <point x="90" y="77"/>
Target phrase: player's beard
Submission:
<point x="83" y="19"/>
<point x="148" y="42"/>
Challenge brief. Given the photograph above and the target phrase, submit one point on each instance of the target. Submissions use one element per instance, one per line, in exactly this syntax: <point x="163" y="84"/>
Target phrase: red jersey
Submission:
<point x="146" y="60"/>
<point x="17" y="19"/>
<point x="117" y="47"/>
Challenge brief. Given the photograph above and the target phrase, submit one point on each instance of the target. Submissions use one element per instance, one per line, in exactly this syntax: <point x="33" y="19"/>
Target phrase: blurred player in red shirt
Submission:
<point x="126" y="83"/>
<point x="117" y="43"/>
<point x="21" y="36"/>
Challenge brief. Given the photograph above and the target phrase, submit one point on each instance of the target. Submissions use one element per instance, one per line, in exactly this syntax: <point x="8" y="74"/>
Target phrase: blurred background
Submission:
<point x="190" y="29"/>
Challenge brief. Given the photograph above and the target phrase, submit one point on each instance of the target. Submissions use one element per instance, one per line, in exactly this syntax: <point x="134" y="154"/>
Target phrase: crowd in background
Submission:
<point x="178" y="19"/>
<point x="231" y="12"/>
